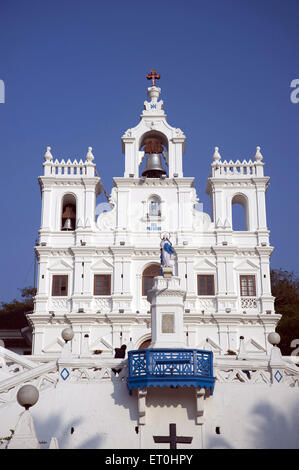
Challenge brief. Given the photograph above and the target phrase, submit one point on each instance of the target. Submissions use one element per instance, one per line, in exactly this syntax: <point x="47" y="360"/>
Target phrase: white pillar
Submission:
<point x="46" y="209"/>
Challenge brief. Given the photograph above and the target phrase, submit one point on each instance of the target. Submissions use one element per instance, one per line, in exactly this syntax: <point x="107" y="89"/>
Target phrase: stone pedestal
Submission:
<point x="167" y="272"/>
<point x="24" y="436"/>
<point x="167" y="310"/>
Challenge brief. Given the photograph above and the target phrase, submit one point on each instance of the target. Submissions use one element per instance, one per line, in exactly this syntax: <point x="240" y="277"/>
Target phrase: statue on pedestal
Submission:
<point x="166" y="251"/>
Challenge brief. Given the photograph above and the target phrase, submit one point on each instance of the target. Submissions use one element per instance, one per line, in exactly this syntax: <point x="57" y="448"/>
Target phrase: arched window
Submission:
<point x="240" y="213"/>
<point x="154" y="206"/>
<point x="68" y="217"/>
<point x="147" y="277"/>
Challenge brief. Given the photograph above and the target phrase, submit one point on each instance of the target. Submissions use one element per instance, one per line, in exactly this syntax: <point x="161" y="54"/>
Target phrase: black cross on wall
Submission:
<point x="172" y="439"/>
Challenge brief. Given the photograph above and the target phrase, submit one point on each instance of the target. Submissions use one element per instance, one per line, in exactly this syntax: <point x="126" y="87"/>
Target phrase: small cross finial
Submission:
<point x="153" y="75"/>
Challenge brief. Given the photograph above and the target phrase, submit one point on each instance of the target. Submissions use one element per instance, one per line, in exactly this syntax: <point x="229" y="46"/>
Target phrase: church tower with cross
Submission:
<point x="141" y="348"/>
<point x="91" y="268"/>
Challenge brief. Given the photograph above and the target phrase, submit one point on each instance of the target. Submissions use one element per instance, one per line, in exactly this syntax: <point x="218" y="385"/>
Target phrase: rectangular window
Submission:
<point x="247" y="286"/>
<point x="59" y="285"/>
<point x="205" y="284"/>
<point x="102" y="284"/>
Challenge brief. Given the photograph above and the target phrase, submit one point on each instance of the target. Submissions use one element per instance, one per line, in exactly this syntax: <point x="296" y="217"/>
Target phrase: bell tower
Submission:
<point x="68" y="190"/>
<point x="154" y="139"/>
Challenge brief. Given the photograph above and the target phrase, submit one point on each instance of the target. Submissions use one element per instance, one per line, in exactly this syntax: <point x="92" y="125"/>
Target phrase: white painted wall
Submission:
<point x="104" y="415"/>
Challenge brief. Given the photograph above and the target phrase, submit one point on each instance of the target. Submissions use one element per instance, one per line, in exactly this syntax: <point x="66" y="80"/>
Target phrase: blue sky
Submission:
<point x="74" y="74"/>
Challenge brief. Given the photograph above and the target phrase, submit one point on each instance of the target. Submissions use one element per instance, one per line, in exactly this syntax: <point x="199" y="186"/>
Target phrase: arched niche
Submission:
<point x="145" y="142"/>
<point x="240" y="215"/>
<point x="68" y="212"/>
<point x="154" y="206"/>
<point x="155" y="134"/>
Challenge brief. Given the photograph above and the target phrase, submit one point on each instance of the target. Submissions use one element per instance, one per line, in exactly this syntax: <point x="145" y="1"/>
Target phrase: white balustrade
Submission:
<point x="244" y="168"/>
<point x="249" y="302"/>
<point x="69" y="168"/>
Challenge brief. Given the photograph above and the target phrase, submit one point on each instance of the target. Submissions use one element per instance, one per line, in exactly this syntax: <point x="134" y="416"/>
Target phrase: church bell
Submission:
<point x="69" y="217"/>
<point x="67" y="225"/>
<point x="154" y="168"/>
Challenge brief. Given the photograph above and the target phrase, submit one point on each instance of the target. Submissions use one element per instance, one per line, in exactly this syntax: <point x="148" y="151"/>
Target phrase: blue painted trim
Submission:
<point x="62" y="373"/>
<point x="278" y="376"/>
<point x="170" y="368"/>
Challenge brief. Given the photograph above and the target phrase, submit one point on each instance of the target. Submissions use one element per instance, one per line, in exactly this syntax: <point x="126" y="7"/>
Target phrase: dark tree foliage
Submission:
<point x="12" y="314"/>
<point x="285" y="289"/>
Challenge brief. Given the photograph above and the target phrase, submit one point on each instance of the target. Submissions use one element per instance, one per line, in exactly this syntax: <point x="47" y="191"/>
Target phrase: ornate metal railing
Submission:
<point x="170" y="367"/>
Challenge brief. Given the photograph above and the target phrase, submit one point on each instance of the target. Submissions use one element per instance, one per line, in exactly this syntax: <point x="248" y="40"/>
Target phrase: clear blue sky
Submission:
<point x="75" y="71"/>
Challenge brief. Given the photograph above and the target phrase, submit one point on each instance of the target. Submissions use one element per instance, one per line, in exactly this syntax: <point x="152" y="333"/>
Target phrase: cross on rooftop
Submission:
<point x="153" y="75"/>
<point x="172" y="439"/>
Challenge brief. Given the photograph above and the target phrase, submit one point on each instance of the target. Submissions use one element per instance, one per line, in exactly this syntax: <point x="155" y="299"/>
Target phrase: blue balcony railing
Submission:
<point x="170" y="367"/>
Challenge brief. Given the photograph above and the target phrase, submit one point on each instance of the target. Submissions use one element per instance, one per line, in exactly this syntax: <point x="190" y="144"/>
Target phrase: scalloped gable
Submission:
<point x="106" y="221"/>
<point x="201" y="220"/>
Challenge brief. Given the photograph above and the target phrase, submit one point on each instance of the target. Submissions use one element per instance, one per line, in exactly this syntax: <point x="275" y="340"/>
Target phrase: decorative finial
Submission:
<point x="274" y="338"/>
<point x="27" y="396"/>
<point x="67" y="334"/>
<point x="89" y="155"/>
<point x="153" y="75"/>
<point x="216" y="156"/>
<point x="48" y="156"/>
<point x="258" y="156"/>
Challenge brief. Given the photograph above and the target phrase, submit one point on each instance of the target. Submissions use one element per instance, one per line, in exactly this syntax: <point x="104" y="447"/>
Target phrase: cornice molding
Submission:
<point x="48" y="182"/>
<point x="187" y="182"/>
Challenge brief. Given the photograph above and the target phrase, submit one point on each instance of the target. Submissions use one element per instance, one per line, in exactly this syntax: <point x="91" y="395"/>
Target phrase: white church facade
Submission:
<point x="100" y="267"/>
<point x="100" y="278"/>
